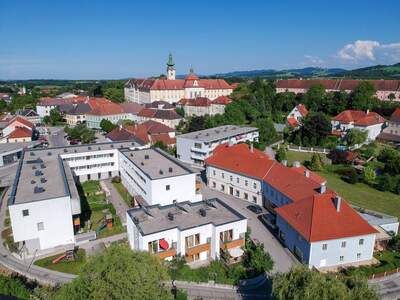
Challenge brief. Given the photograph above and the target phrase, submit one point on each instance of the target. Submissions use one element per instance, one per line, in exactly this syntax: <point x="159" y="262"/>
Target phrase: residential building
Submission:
<point x="172" y="90"/>
<point x="46" y="104"/>
<point x="385" y="89"/>
<point x="44" y="203"/>
<point x="5" y="97"/>
<point x="391" y="133"/>
<point x="202" y="106"/>
<point x="196" y="147"/>
<point x="30" y="115"/>
<point x="154" y="177"/>
<point x="315" y="223"/>
<point x="18" y="130"/>
<point x="294" y="118"/>
<point x="161" y="112"/>
<point x="76" y="114"/>
<point x="146" y="133"/>
<point x="370" y="122"/>
<point x="198" y="231"/>
<point x="67" y="95"/>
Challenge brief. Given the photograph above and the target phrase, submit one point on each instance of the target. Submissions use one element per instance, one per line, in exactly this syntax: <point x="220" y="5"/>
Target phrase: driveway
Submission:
<point x="283" y="259"/>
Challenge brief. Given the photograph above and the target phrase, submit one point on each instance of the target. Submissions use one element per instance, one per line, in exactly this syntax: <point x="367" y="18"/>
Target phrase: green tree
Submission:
<point x="114" y="94"/>
<point x="369" y="174"/>
<point x="107" y="125"/>
<point x="280" y="155"/>
<point x="391" y="97"/>
<point x="303" y="283"/>
<point x="316" y="128"/>
<point x="363" y="96"/>
<point x="257" y="259"/>
<point x="316" y="162"/>
<point x="14" y="286"/>
<point x="314" y="97"/>
<point x="356" y="137"/>
<point x="54" y="118"/>
<point x="119" y="273"/>
<point x="267" y="132"/>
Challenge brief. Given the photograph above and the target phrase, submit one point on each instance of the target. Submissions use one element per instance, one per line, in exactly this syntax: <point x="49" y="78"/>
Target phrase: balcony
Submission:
<point x="197" y="249"/>
<point x="167" y="253"/>
<point x="232" y="244"/>
<point x="203" y="150"/>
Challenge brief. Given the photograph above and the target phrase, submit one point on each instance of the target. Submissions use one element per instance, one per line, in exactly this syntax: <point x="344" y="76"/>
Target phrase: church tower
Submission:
<point x="170" y="68"/>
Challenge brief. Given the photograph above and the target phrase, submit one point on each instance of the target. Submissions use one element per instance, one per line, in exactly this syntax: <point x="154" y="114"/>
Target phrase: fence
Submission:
<point x="384" y="274"/>
<point x="309" y="149"/>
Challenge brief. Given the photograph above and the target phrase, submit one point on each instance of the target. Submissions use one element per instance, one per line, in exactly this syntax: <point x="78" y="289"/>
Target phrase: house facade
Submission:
<point x="391" y="133"/>
<point x="294" y="117"/>
<point x="198" y="231"/>
<point x="196" y="147"/>
<point x="203" y="106"/>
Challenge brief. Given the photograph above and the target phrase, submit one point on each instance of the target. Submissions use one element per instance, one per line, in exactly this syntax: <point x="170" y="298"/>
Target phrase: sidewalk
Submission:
<point x="116" y="200"/>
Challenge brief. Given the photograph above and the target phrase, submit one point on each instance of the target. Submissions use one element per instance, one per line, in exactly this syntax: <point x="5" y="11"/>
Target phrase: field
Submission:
<point x="293" y="156"/>
<point x="72" y="267"/>
<point x="363" y="195"/>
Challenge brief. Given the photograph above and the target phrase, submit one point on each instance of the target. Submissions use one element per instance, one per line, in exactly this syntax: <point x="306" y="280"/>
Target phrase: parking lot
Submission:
<point x="283" y="259"/>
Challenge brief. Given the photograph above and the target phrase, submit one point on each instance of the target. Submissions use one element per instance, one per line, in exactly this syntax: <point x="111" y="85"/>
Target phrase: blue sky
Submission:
<point x="99" y="39"/>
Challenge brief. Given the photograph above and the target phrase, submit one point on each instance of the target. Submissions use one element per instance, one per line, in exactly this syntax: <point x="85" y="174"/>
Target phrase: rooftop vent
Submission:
<point x="32" y="153"/>
<point x="142" y="163"/>
<point x="33" y="181"/>
<point x="89" y="148"/>
<point x="49" y="153"/>
<point x="65" y="150"/>
<point x="131" y="154"/>
<point x="38" y="173"/>
<point x="43" y="180"/>
<point x="43" y="166"/>
<point x="33" y="167"/>
<point x="170" y="216"/>
<point x="112" y="146"/>
<point x="75" y="150"/>
<point x="98" y="148"/>
<point x="170" y="169"/>
<point x="161" y="172"/>
<point x="146" y="156"/>
<point x="135" y="220"/>
<point x="38" y="189"/>
<point x="210" y="203"/>
<point x="202" y="212"/>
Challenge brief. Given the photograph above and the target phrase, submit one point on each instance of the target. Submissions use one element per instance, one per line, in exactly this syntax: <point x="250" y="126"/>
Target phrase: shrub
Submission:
<point x="116" y="179"/>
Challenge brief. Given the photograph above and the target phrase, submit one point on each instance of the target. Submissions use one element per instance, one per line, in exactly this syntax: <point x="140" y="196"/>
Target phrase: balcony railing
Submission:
<point x="197" y="249"/>
<point x="166" y="253"/>
<point x="231" y="244"/>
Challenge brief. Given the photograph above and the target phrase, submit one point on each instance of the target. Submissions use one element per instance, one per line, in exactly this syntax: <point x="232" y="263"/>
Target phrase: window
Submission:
<point x="214" y="172"/>
<point x="222" y="187"/>
<point x="324" y="246"/>
<point x="40" y="226"/>
<point x="192" y="240"/>
<point x="197" y="145"/>
<point x="25" y="212"/>
<point x="167" y="187"/>
<point x="237" y="193"/>
<point x="358" y="255"/>
<point x="246" y="196"/>
<point x="214" y="184"/>
<point x="361" y="242"/>
<point x="222" y="175"/>
<point x="226" y="236"/>
<point x="254" y="199"/>
<point x="230" y="178"/>
<point x="153" y="246"/>
<point x="254" y="185"/>
<point x="237" y="179"/>
<point x="341" y="258"/>
<point x="343" y="244"/>
<point x="246" y="183"/>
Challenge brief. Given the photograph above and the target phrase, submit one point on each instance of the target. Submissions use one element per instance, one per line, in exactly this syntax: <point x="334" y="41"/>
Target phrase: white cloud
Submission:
<point x="313" y="60"/>
<point x="364" y="51"/>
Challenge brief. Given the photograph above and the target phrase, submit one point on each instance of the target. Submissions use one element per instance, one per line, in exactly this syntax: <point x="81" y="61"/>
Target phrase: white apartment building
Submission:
<point x="196" y="230"/>
<point x="195" y="147"/>
<point x="157" y="177"/>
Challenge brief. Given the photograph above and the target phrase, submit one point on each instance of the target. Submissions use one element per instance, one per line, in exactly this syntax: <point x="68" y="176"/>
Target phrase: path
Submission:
<point x="116" y="200"/>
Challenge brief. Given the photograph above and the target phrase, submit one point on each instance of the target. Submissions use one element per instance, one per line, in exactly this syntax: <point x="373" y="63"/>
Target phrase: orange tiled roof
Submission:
<point x="20" y="132"/>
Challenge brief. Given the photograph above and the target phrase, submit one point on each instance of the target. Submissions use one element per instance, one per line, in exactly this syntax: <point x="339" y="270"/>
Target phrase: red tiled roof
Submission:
<point x="192" y="76"/>
<point x="131" y="107"/>
<point x="102" y="107"/>
<point x="238" y="158"/>
<point x="154" y="127"/>
<point x="312" y="175"/>
<point x="292" y="122"/>
<point x="20" y="132"/>
<point x="164" y="138"/>
<point x="359" y="118"/>
<point x="302" y="109"/>
<point x="159" y="114"/>
<point x="395" y="117"/>
<point x="222" y="100"/>
<point x="317" y="219"/>
<point x="199" y="101"/>
<point x="22" y="121"/>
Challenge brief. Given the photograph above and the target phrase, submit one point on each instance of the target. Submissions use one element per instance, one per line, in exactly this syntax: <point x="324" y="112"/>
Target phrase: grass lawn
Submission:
<point x="72" y="267"/>
<point x="293" y="156"/>
<point x="123" y="192"/>
<point x="363" y="195"/>
<point x="91" y="186"/>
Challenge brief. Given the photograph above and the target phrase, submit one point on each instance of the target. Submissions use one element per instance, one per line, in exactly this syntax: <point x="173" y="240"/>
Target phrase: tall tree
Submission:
<point x="315" y="97"/>
<point x="119" y="273"/>
<point x="356" y="137"/>
<point x="316" y="127"/>
<point x="363" y="96"/>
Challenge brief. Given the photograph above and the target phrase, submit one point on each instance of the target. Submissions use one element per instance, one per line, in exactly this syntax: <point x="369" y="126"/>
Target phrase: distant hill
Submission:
<point x="374" y="72"/>
<point x="270" y="73"/>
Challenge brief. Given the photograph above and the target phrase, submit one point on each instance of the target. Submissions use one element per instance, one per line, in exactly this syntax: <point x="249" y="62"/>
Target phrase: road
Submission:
<point x="56" y="137"/>
<point x="283" y="259"/>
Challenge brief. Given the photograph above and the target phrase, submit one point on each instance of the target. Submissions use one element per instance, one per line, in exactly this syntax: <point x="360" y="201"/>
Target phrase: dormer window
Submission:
<point x="195" y="83"/>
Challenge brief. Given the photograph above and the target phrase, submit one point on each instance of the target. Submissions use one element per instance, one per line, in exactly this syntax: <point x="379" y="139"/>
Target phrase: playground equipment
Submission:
<point x="69" y="255"/>
<point x="107" y="223"/>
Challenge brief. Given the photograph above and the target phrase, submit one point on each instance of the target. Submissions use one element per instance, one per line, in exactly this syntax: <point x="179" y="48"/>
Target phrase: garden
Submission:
<point x="95" y="209"/>
<point x="116" y="181"/>
<point x="66" y="266"/>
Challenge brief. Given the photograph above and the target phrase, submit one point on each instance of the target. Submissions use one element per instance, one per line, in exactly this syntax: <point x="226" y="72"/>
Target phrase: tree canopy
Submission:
<point x="119" y="273"/>
<point x="107" y="125"/>
<point x="356" y="137"/>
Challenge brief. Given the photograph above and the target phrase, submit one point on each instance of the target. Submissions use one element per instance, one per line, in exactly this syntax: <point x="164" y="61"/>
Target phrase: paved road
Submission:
<point x="56" y="137"/>
<point x="283" y="259"/>
<point x="119" y="204"/>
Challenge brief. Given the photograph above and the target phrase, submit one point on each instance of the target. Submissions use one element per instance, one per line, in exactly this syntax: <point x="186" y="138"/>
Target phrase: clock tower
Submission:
<point x="170" y="68"/>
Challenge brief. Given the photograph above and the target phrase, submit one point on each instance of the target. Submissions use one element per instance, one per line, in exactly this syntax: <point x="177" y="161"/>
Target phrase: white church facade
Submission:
<point x="172" y="90"/>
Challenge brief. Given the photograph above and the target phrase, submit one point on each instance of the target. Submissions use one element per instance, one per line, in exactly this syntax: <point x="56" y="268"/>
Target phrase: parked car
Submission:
<point x="255" y="208"/>
<point x="268" y="220"/>
<point x="74" y="142"/>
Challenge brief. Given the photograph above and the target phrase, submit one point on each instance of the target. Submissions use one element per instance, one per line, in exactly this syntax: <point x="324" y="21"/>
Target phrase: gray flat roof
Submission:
<point x="155" y="163"/>
<point x="217" y="133"/>
<point x="375" y="218"/>
<point x="184" y="215"/>
<point x="47" y="163"/>
<point x="10" y="147"/>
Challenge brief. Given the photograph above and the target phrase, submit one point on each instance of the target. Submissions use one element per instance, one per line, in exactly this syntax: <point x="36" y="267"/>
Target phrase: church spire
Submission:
<point x="170" y="62"/>
<point x="170" y="68"/>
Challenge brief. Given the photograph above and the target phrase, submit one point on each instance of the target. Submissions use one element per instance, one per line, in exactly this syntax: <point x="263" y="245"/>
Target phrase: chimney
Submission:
<point x="120" y="126"/>
<point x="307" y="173"/>
<point x="322" y="188"/>
<point x="284" y="162"/>
<point x="338" y="202"/>
<point x="367" y="111"/>
<point x="251" y="148"/>
<point x="230" y="143"/>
